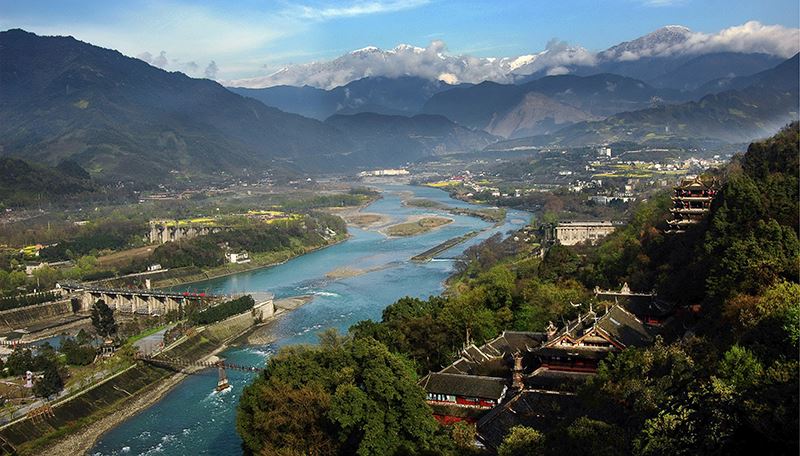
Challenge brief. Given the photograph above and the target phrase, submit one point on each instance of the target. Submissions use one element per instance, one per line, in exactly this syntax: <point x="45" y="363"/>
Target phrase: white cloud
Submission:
<point x="359" y="8"/>
<point x="229" y="36"/>
<point x="752" y="36"/>
<point x="448" y="78"/>
<point x="431" y="62"/>
<point x="662" y="3"/>
<point x="211" y="70"/>
<point x="161" y="60"/>
<point x="555" y="71"/>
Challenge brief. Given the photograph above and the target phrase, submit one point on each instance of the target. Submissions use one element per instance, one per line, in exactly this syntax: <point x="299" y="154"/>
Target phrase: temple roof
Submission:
<point x="464" y="385"/>
<point x="625" y="328"/>
<point x="539" y="409"/>
<point x="642" y="306"/>
<point x="511" y="342"/>
<point x="493" y="357"/>
<point x="571" y="351"/>
<point x="617" y="323"/>
<point x="555" y="380"/>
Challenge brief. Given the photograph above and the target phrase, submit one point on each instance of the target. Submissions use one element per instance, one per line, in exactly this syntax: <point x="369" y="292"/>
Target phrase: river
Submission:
<point x="192" y="419"/>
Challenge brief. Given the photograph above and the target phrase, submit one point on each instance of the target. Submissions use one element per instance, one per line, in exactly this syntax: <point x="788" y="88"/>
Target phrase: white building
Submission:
<point x="384" y="172"/>
<point x="239" y="258"/>
<point x="571" y="233"/>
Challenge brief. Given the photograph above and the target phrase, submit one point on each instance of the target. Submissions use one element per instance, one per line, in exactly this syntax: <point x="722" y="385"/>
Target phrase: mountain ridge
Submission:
<point x="120" y="117"/>
<point x="768" y="103"/>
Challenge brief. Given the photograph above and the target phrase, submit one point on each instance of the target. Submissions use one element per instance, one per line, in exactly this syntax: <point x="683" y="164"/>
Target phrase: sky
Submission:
<point x="249" y="38"/>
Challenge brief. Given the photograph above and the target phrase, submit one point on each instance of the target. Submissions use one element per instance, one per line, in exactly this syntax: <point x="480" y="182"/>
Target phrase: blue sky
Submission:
<point x="251" y="38"/>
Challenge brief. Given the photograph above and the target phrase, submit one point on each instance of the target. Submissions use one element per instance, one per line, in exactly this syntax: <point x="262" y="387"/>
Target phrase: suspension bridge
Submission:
<point x="183" y="364"/>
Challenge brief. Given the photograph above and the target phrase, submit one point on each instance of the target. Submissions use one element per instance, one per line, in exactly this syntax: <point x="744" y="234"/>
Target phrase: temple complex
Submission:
<point x="550" y="364"/>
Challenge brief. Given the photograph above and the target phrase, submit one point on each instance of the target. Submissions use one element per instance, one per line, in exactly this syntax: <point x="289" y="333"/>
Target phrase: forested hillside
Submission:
<point x="726" y="383"/>
<point x="121" y="118"/>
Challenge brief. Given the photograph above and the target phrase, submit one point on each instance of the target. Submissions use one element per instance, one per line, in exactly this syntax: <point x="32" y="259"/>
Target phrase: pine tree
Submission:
<point x="103" y="319"/>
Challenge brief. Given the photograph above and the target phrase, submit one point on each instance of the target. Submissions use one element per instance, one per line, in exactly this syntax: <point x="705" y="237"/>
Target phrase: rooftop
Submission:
<point x="464" y="385"/>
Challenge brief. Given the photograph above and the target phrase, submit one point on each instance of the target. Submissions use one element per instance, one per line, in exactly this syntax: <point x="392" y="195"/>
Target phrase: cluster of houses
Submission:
<point x="531" y="378"/>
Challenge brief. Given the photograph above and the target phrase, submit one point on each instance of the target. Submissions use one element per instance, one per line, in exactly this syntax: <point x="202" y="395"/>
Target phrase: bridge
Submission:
<point x="136" y="301"/>
<point x="181" y="364"/>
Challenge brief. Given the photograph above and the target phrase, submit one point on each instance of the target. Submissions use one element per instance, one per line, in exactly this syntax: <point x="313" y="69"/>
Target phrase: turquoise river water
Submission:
<point x="192" y="419"/>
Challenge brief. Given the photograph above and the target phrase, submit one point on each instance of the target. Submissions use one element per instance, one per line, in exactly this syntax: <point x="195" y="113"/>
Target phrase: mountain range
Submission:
<point x="120" y="118"/>
<point x="756" y="107"/>
<point x="404" y="95"/>
<point x="383" y="140"/>
<point x="670" y="57"/>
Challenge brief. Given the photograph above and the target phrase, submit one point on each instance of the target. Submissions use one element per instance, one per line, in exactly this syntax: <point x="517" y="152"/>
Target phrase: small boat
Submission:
<point x="222" y="383"/>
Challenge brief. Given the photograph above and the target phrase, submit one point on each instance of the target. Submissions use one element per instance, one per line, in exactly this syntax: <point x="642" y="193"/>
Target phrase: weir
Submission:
<point x="143" y="302"/>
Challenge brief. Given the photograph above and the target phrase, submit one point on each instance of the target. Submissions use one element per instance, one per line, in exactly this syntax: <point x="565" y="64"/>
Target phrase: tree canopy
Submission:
<point x="345" y="396"/>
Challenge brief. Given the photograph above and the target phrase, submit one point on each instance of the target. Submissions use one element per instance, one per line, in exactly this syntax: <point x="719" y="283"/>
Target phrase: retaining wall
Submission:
<point x="19" y="318"/>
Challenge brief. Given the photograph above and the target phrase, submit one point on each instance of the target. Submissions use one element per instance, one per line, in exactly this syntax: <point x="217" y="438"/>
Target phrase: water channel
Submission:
<point x="192" y="419"/>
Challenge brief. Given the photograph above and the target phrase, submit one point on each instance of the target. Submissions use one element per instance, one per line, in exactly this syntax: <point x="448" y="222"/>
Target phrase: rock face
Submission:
<point x="536" y="114"/>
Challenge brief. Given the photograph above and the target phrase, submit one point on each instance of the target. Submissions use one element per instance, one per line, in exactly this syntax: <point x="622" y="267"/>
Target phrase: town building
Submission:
<point x="384" y="172"/>
<point x="571" y="233"/>
<point x="239" y="257"/>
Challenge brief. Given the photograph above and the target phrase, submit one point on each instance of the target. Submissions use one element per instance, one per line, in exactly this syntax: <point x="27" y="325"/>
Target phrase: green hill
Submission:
<point x="23" y="183"/>
<point x="121" y="118"/>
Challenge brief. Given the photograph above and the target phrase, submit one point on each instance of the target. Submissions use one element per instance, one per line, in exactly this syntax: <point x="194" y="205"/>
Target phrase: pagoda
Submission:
<point x="691" y="201"/>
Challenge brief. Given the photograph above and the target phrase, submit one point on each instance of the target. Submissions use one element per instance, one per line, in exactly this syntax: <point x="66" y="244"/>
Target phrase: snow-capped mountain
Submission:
<point x="657" y="43"/>
<point x="434" y="63"/>
<point x="404" y="60"/>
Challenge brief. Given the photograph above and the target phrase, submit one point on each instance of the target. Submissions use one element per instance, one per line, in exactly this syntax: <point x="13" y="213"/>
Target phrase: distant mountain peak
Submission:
<point x="366" y="50"/>
<point x="657" y="42"/>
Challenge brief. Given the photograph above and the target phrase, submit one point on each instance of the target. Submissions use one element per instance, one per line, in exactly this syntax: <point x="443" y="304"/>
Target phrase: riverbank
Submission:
<point x="231" y="269"/>
<point x="71" y="430"/>
<point x="83" y="440"/>
<point x="190" y="420"/>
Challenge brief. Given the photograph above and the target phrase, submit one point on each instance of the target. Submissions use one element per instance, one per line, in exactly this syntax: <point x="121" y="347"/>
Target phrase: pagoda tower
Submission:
<point x="691" y="201"/>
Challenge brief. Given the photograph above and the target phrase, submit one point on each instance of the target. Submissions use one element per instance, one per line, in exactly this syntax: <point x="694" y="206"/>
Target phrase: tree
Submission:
<point x="463" y="434"/>
<point x="19" y="362"/>
<point x="586" y="436"/>
<point x="51" y="381"/>
<point x="103" y="319"/>
<point x="522" y="441"/>
<point x="76" y="354"/>
<point x="643" y="381"/>
<point x="346" y="396"/>
<point x="559" y="262"/>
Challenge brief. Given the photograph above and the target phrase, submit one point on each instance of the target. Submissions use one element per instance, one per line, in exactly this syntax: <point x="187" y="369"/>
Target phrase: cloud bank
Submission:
<point x="558" y="57"/>
<point x="431" y="62"/>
